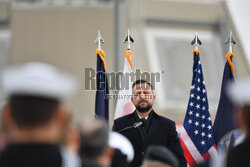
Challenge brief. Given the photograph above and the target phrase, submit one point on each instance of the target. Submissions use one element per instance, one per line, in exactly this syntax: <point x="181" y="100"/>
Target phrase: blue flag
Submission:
<point x="224" y="125"/>
<point x="101" y="101"/>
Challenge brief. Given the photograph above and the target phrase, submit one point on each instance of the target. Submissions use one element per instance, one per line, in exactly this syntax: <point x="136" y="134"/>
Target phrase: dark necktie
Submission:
<point x="143" y="129"/>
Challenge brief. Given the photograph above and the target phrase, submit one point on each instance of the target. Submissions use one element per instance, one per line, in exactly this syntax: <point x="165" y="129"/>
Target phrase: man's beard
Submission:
<point x="143" y="109"/>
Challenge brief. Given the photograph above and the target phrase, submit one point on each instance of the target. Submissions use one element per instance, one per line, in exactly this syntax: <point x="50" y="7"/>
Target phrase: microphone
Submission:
<point x="135" y="125"/>
<point x="140" y="123"/>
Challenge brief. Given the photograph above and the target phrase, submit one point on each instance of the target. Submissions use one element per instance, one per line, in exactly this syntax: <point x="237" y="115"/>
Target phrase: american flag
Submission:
<point x="197" y="138"/>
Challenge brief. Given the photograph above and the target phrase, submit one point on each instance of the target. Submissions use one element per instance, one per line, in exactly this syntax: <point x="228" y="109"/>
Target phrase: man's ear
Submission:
<point x="8" y="119"/>
<point x="62" y="115"/>
<point x="61" y="121"/>
<point x="154" y="96"/>
<point x="239" y="118"/>
<point x="110" y="152"/>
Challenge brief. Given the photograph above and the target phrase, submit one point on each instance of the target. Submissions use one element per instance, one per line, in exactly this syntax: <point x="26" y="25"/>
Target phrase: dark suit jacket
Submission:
<point x="31" y="155"/>
<point x="162" y="132"/>
<point x="239" y="155"/>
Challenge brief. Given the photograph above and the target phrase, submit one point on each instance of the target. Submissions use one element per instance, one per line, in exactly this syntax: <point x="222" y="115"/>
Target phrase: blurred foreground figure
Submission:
<point x="159" y="156"/>
<point x="123" y="150"/>
<point x="94" y="148"/>
<point x="240" y="93"/>
<point x="34" y="115"/>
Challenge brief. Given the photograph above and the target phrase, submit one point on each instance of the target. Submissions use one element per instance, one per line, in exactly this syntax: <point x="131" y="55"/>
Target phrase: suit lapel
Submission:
<point x="153" y="128"/>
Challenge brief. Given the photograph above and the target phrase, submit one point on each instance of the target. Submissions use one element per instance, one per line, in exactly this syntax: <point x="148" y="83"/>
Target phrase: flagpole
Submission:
<point x="224" y="124"/>
<point x="99" y="40"/>
<point x="124" y="105"/>
<point x="128" y="40"/>
<point x="128" y="53"/>
<point x="128" y="47"/>
<point x="117" y="25"/>
<point x="197" y="137"/>
<point x="101" y="102"/>
<point x="196" y="42"/>
<point x="230" y="42"/>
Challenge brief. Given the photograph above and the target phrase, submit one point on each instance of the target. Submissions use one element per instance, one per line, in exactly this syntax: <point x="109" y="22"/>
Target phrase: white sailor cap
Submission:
<point x="118" y="141"/>
<point x="38" y="79"/>
<point x="239" y="92"/>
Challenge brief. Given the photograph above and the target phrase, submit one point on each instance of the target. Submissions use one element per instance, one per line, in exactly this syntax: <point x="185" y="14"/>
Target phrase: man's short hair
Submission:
<point x="94" y="139"/>
<point x="162" y="155"/>
<point x="141" y="81"/>
<point x="31" y="111"/>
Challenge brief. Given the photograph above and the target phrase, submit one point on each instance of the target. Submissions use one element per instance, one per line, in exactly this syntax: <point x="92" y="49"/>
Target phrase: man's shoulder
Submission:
<point x="123" y="122"/>
<point x="164" y="119"/>
<point x="125" y="117"/>
<point x="44" y="153"/>
<point x="239" y="155"/>
<point x="242" y="148"/>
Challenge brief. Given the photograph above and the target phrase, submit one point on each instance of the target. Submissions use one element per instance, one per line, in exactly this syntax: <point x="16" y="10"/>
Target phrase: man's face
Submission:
<point x="143" y="97"/>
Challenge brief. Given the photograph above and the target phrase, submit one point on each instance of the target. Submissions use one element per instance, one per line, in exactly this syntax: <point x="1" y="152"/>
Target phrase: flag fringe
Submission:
<point x="228" y="57"/>
<point x="128" y="54"/>
<point x="197" y="52"/>
<point x="102" y="54"/>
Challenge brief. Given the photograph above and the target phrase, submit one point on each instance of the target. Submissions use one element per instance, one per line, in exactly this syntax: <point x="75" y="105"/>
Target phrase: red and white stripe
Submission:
<point x="124" y="105"/>
<point x="191" y="153"/>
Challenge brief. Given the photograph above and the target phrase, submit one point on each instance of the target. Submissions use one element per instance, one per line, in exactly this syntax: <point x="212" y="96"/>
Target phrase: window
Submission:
<point x="170" y="51"/>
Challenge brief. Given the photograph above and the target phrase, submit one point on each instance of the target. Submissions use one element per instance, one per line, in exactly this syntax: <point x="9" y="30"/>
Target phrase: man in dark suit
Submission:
<point x="156" y="129"/>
